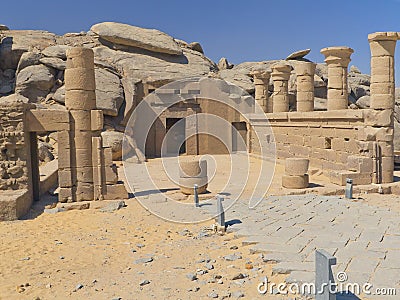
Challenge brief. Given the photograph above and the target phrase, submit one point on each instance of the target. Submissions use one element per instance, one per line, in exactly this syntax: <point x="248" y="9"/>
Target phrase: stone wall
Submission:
<point x="16" y="191"/>
<point x="355" y="144"/>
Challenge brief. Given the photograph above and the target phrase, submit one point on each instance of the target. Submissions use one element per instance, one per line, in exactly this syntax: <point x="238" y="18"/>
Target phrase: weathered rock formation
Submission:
<point x="131" y="62"/>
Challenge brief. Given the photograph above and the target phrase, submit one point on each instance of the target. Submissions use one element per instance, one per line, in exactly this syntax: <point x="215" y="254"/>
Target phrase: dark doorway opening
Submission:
<point x="239" y="136"/>
<point x="176" y="135"/>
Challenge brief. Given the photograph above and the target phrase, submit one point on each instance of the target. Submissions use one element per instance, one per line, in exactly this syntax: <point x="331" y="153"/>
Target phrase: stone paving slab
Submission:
<point x="287" y="229"/>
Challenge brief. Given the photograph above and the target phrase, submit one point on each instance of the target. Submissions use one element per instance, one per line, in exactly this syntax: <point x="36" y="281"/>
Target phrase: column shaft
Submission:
<point x="337" y="59"/>
<point x="280" y="98"/>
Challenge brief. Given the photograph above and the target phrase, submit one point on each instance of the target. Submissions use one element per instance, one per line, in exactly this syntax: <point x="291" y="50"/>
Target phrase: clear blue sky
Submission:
<point x="239" y="30"/>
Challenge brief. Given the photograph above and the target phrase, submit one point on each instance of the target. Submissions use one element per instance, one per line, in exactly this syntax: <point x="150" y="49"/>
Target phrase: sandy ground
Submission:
<point x="52" y="255"/>
<point x="90" y="254"/>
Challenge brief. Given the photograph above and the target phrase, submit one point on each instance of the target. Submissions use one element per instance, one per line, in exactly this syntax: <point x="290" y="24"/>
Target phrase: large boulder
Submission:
<point x="127" y="35"/>
<point x="109" y="93"/>
<point x="59" y="95"/>
<point x="35" y="82"/>
<point x="58" y="51"/>
<point x="28" y="59"/>
<point x="16" y="42"/>
<point x="157" y="67"/>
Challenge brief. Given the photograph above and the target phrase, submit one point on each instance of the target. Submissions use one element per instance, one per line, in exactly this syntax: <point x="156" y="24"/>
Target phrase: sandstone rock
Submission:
<point x="157" y="68"/>
<point x="128" y="35"/>
<point x="3" y="27"/>
<point x="113" y="139"/>
<point x="44" y="152"/>
<point x="58" y="51"/>
<point x="355" y="79"/>
<point x="28" y="59"/>
<point x="35" y="82"/>
<point x="298" y="54"/>
<point x="322" y="71"/>
<point x="53" y="62"/>
<point x="320" y="103"/>
<point x="59" y="95"/>
<point x="363" y="102"/>
<point x="354" y="69"/>
<point x="16" y="42"/>
<point x="223" y="64"/>
<point x="13" y="98"/>
<point x="196" y="47"/>
<point x="240" y="74"/>
<point x="109" y="93"/>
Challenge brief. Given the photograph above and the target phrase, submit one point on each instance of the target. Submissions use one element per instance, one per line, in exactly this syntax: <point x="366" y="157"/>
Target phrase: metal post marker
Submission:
<point x="349" y="188"/>
<point x="220" y="211"/>
<point x="324" y="280"/>
<point x="196" y="195"/>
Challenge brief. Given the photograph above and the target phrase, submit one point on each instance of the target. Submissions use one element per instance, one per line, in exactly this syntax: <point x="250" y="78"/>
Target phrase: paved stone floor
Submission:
<point x="288" y="229"/>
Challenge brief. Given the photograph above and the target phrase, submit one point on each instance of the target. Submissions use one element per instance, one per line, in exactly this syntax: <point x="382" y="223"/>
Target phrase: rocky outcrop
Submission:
<point x="127" y="35"/>
<point x="109" y="93"/>
<point x="35" y="82"/>
<point x="130" y="62"/>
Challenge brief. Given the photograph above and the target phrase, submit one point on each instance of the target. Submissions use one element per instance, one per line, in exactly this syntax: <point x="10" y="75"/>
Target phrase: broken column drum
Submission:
<point x="337" y="59"/>
<point x="280" y="98"/>
<point x="261" y="95"/>
<point x="305" y="86"/>
<point x="191" y="172"/>
<point x="296" y="176"/>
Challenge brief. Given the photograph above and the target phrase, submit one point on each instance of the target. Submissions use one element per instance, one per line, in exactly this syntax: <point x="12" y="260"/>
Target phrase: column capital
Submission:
<point x="337" y="55"/>
<point x="261" y="74"/>
<point x="281" y="71"/>
<point x="384" y="36"/>
<point x="305" y="68"/>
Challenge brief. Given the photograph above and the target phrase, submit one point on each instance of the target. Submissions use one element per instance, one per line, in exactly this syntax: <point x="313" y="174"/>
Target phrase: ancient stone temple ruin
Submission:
<point x="85" y="168"/>
<point x="341" y="142"/>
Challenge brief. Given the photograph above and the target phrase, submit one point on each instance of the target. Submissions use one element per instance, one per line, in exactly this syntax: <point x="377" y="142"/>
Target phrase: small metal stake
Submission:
<point x="220" y="211"/>
<point x="196" y="195"/>
<point x="349" y="188"/>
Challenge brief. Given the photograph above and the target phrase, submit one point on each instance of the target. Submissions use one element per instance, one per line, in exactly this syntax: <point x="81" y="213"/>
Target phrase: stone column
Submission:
<point x="80" y="99"/>
<point x="382" y="45"/>
<point x="261" y="83"/>
<point x="280" y="98"/>
<point x="337" y="59"/>
<point x="305" y="86"/>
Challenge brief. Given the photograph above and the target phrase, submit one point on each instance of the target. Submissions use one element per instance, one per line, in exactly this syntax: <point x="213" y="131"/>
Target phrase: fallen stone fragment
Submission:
<point x="143" y="260"/>
<point x="191" y="276"/>
<point x="209" y="266"/>
<point x="238" y="294"/>
<point x="238" y="276"/>
<point x="78" y="287"/>
<point x="113" y="206"/>
<point x="213" y="295"/>
<point x="232" y="257"/>
<point x="144" y="282"/>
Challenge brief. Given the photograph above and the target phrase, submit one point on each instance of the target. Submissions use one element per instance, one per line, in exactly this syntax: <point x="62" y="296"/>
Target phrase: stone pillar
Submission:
<point x="280" y="98"/>
<point x="337" y="59"/>
<point x="261" y="83"/>
<point x="80" y="99"/>
<point x="305" y="86"/>
<point x="382" y="45"/>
